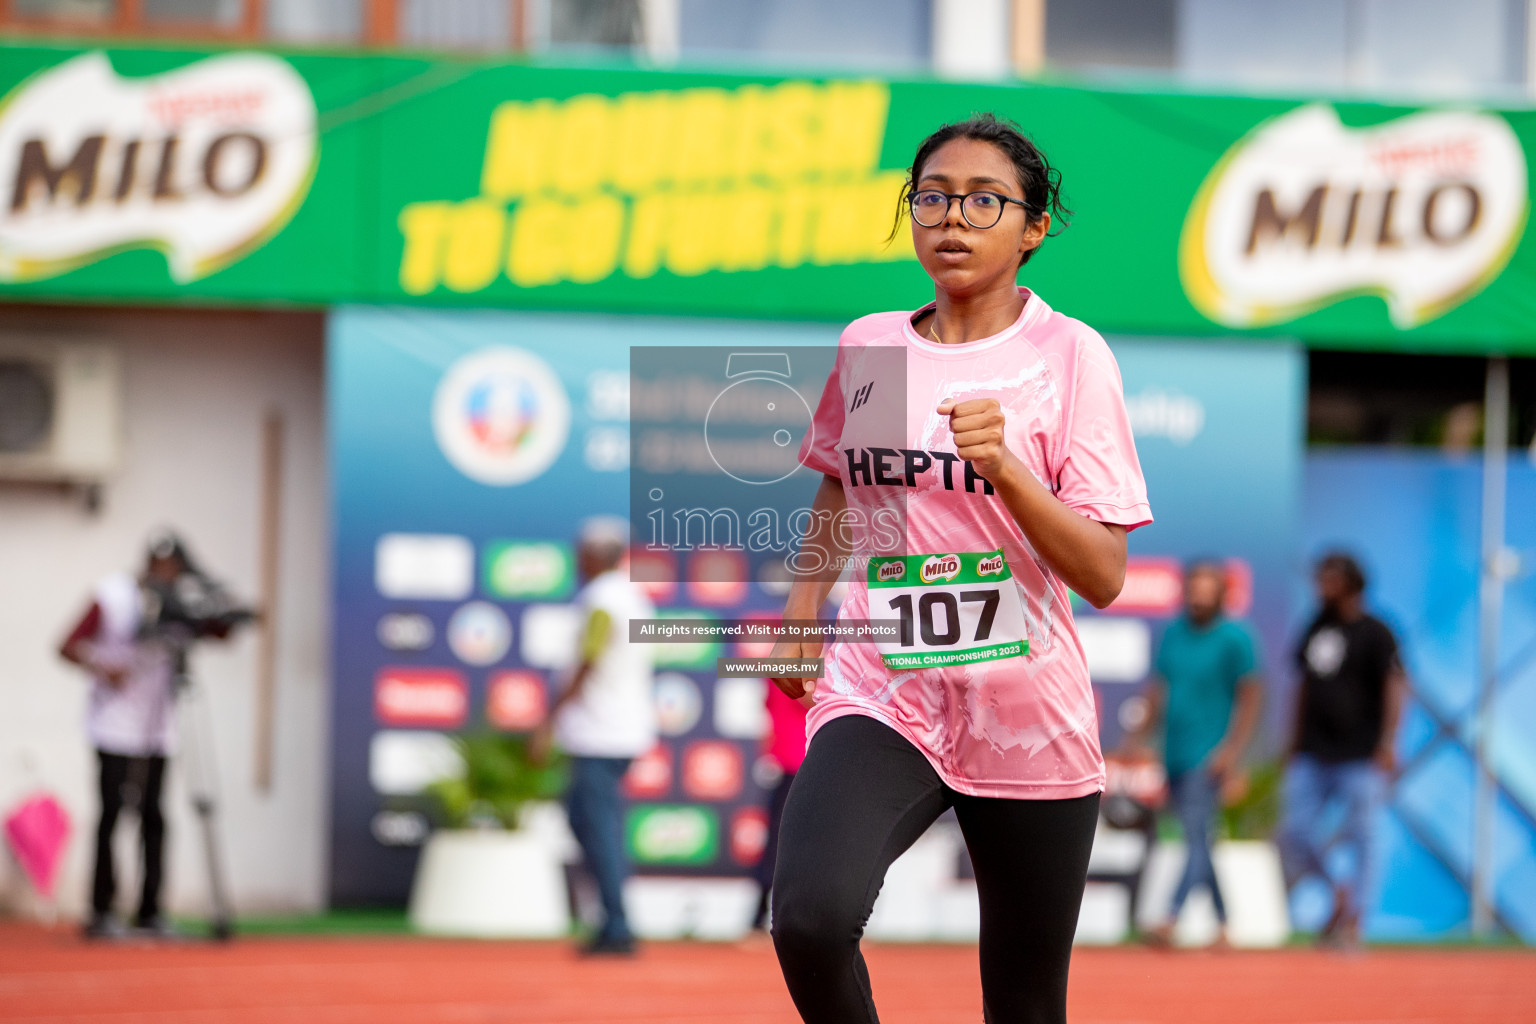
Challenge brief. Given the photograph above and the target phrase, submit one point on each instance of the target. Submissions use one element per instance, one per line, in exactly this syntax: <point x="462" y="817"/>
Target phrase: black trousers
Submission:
<point x="863" y="796"/>
<point x="133" y="781"/>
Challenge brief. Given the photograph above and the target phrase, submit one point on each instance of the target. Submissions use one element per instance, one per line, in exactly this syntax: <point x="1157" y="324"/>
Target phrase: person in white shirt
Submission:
<point x="604" y="717"/>
<point x="131" y="724"/>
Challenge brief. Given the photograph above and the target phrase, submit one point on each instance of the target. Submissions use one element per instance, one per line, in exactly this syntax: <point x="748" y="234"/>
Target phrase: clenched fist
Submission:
<point x="977" y="425"/>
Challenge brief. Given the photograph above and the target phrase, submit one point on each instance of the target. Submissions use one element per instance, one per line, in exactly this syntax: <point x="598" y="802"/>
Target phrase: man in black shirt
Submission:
<point x="1347" y="708"/>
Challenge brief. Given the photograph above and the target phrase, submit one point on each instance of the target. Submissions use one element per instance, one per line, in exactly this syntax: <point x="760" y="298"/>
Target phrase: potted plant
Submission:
<point x="484" y="874"/>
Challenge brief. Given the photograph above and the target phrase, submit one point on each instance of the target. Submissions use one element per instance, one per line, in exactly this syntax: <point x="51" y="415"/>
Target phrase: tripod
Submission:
<point x="202" y="784"/>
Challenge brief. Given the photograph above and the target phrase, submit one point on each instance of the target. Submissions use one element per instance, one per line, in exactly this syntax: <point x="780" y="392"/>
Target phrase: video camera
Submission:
<point x="189" y="605"/>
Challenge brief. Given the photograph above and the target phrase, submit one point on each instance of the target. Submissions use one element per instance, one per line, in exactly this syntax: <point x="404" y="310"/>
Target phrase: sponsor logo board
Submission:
<point x="591" y="187"/>
<point x="424" y="566"/>
<point x="1423" y="211"/>
<point x="551" y="635"/>
<point x="529" y="570"/>
<point x="428" y="697"/>
<point x="204" y="163"/>
<point x="749" y="835"/>
<point x="402" y="763"/>
<point x="654" y="572"/>
<point x="1153" y="586"/>
<point x="516" y="700"/>
<point x="672" y="834"/>
<point x="713" y="770"/>
<point x="686" y="653"/>
<point x="650" y="775"/>
<point x="741" y="710"/>
<point x="406" y="631"/>
<point x="717" y="577"/>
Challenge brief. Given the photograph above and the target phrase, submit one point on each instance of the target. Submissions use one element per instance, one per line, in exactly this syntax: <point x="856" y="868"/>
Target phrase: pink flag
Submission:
<point x="37" y="831"/>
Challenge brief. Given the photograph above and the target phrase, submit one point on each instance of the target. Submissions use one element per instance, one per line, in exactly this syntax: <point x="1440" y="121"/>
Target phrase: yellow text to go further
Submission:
<point x="465" y="246"/>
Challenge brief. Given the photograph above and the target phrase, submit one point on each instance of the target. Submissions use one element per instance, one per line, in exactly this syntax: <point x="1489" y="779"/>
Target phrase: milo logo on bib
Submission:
<point x="954" y="609"/>
<point x="941" y="567"/>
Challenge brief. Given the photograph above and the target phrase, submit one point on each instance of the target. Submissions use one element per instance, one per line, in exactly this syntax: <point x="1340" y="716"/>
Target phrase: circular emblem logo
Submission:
<point x="501" y="416"/>
<point x="479" y="633"/>
<point x="678" y="703"/>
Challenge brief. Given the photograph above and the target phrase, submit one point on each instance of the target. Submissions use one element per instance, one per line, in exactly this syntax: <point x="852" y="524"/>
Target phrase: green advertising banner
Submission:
<point x="249" y="178"/>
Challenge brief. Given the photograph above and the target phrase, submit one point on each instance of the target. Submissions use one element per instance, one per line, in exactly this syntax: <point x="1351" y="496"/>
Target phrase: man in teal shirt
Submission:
<point x="1207" y="693"/>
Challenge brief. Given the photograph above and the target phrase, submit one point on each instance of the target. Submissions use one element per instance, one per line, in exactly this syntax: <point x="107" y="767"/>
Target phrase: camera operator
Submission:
<point x="133" y="640"/>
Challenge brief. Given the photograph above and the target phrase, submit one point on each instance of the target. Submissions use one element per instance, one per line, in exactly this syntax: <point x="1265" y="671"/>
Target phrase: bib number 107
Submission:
<point x="928" y="610"/>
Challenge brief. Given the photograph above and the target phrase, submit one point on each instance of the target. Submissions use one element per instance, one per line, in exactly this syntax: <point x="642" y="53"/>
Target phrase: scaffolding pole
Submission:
<point x="1490" y="611"/>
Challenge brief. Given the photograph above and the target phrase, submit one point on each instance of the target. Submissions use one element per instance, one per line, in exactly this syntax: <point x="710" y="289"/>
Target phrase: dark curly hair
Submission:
<point x="1041" y="181"/>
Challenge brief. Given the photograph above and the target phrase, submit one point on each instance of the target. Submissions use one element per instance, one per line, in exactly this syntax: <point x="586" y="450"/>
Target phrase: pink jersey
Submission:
<point x="1021" y="726"/>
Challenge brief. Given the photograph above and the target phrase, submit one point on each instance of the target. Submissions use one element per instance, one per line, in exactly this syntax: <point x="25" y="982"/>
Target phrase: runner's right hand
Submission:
<point x="789" y="650"/>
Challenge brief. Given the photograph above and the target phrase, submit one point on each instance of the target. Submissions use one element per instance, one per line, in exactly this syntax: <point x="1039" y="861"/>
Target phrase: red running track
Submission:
<point x="54" y="977"/>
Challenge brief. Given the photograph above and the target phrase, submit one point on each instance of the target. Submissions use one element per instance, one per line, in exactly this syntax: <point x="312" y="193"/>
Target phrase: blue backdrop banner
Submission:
<point x="466" y="448"/>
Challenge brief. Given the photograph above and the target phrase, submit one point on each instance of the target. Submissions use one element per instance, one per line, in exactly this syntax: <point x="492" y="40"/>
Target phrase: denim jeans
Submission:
<point x="592" y="804"/>
<point x="1194" y="801"/>
<point x="1308" y="788"/>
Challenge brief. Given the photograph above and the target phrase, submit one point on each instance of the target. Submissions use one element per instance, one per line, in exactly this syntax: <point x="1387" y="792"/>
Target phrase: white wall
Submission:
<point x="198" y="386"/>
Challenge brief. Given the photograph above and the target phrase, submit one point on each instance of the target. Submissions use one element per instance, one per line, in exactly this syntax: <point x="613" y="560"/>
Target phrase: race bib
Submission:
<point x="955" y="609"/>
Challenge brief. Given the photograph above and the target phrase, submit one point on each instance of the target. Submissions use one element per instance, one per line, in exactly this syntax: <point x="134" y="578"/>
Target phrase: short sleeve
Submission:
<point x="1391" y="655"/>
<point x="818" y="450"/>
<point x="1164" y="656"/>
<point x="88" y="626"/>
<point x="1245" y="652"/>
<point x="1099" y="475"/>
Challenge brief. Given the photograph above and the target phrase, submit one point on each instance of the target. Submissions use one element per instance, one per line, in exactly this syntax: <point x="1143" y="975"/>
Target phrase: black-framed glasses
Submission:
<point x="980" y="209"/>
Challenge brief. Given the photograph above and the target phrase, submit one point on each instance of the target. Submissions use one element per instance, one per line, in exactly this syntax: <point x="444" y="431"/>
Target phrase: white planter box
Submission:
<point x="490" y="884"/>
<point x="1252" y="886"/>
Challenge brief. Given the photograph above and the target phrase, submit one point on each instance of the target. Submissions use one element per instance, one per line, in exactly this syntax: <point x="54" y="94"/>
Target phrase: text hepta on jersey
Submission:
<point x="875" y="466"/>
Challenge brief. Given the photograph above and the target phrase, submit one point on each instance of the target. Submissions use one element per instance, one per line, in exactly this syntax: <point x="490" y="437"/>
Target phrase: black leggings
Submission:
<point x="863" y="796"/>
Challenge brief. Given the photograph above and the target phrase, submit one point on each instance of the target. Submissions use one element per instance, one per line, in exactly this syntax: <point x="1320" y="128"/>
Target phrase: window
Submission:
<point x="1109" y="35"/>
<point x="594" y="23"/>
<point x="851" y="33"/>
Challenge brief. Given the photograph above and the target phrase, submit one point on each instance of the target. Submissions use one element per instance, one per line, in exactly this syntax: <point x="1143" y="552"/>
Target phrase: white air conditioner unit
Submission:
<point x="60" y="409"/>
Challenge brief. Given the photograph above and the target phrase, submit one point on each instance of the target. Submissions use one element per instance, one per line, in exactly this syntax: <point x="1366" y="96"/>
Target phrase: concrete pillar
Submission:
<point x="661" y="26"/>
<point x="971" y="39"/>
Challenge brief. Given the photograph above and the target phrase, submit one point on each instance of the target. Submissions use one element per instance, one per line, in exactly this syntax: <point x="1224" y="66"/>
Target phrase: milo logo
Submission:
<point x="1305" y="211"/>
<point x="991" y="566"/>
<point x="203" y="163"/>
<point x="891" y="571"/>
<point x="941" y="567"/>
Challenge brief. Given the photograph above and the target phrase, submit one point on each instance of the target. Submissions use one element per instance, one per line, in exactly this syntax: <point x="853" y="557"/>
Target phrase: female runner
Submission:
<point x="1019" y="480"/>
